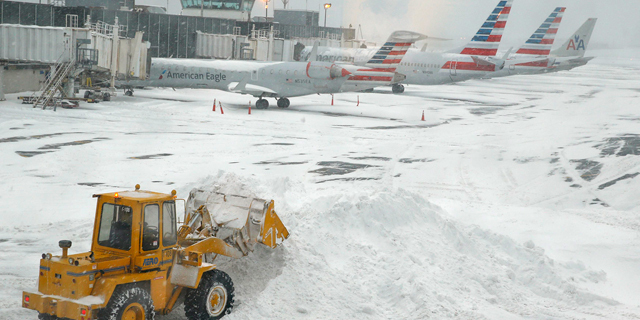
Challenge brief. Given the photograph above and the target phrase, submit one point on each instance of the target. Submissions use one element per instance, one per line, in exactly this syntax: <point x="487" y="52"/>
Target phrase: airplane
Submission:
<point x="475" y="60"/>
<point x="536" y="57"/>
<point x="280" y="80"/>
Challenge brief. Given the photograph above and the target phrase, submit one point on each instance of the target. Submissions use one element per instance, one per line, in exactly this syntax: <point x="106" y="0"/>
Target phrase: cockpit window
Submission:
<point x="115" y="227"/>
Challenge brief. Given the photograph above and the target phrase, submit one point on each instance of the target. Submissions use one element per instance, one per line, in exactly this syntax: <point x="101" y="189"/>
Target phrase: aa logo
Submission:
<point x="163" y="72"/>
<point x="579" y="42"/>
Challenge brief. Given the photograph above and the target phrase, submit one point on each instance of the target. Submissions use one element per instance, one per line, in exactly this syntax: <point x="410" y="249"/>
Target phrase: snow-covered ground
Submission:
<point x="517" y="198"/>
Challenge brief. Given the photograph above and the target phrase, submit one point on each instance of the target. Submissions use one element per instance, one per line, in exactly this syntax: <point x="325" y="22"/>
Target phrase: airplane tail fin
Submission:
<point x="540" y="42"/>
<point x="313" y="55"/>
<point x="487" y="39"/>
<point x="576" y="46"/>
<point x="391" y="53"/>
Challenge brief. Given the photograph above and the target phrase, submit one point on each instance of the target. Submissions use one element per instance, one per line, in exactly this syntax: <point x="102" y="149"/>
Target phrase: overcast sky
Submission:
<point x="618" y="20"/>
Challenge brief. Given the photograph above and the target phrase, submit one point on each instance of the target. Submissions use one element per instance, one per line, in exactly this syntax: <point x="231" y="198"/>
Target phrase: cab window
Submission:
<point x="169" y="234"/>
<point x="150" y="238"/>
<point x="115" y="227"/>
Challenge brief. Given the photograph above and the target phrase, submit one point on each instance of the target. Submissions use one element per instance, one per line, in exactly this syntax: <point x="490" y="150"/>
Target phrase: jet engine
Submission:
<point x="325" y="71"/>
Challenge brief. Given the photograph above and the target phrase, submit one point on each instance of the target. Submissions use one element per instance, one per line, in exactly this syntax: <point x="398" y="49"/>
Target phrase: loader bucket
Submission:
<point x="240" y="222"/>
<point x="273" y="231"/>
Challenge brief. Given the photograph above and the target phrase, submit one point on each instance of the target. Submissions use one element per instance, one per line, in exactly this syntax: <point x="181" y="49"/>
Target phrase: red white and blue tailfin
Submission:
<point x="389" y="56"/>
<point x="540" y="42"/>
<point x="487" y="40"/>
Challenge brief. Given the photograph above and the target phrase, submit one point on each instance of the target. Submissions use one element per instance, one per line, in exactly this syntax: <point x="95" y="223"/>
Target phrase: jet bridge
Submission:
<point x="95" y="50"/>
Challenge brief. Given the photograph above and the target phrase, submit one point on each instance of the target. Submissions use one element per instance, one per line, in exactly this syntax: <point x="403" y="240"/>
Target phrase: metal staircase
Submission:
<point x="53" y="85"/>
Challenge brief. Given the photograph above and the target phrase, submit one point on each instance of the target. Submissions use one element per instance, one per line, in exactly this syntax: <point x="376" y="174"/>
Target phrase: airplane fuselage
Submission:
<point x="420" y="68"/>
<point x="539" y="65"/>
<point x="261" y="79"/>
<point x="289" y="79"/>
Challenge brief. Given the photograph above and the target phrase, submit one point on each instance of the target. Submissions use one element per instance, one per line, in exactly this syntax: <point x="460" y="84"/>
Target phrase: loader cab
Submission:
<point x="140" y="225"/>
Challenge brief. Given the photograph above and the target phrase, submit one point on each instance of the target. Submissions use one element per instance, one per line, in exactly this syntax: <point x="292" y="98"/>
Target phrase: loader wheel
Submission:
<point x="46" y="316"/>
<point x="212" y="300"/>
<point x="130" y="303"/>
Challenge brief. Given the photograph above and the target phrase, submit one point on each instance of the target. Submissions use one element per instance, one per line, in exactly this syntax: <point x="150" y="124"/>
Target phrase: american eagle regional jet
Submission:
<point x="281" y="80"/>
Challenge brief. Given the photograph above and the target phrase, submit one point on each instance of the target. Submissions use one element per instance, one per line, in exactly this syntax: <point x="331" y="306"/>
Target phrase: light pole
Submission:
<point x="266" y="10"/>
<point x="326" y="6"/>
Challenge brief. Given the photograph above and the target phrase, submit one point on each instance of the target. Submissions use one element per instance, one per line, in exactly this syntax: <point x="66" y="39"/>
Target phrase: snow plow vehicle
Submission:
<point x="142" y="263"/>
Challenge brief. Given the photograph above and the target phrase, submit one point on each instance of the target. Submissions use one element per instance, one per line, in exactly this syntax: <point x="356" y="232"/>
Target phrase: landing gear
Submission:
<point x="283" y="103"/>
<point x="262" y="104"/>
<point x="397" y="88"/>
<point x="128" y="92"/>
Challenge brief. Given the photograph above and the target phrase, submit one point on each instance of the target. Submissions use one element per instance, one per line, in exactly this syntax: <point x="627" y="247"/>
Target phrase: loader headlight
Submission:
<point x="71" y="261"/>
<point x="49" y="256"/>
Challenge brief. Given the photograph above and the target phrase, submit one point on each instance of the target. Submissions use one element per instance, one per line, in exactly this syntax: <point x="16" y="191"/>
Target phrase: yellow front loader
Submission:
<point x="141" y="262"/>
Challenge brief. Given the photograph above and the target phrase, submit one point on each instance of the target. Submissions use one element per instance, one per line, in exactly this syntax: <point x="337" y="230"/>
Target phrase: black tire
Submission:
<point x="131" y="300"/>
<point x="283" y="103"/>
<point x="397" y="88"/>
<point x="215" y="285"/>
<point x="106" y="96"/>
<point x="87" y="94"/>
<point x="128" y="93"/>
<point x="262" y="104"/>
<point x="46" y="316"/>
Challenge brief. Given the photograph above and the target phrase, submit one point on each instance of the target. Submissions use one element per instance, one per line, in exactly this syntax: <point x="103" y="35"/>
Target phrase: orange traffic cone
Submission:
<point x="331" y="99"/>
<point x="249" y="107"/>
<point x="422" y="115"/>
<point x="221" y="111"/>
<point x="358" y="102"/>
<point x="214" y="105"/>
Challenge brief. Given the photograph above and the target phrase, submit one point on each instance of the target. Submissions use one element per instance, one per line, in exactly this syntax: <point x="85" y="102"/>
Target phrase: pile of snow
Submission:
<point x="394" y="254"/>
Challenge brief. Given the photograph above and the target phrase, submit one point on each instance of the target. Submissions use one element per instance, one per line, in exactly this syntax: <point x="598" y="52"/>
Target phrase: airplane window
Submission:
<point x="295" y="73"/>
<point x="263" y="71"/>
<point x="288" y="72"/>
<point x="279" y="71"/>
<point x="270" y="71"/>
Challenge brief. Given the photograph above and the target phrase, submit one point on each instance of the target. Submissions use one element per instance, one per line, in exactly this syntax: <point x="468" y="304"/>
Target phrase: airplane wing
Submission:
<point x="482" y="62"/>
<point x="251" y="89"/>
